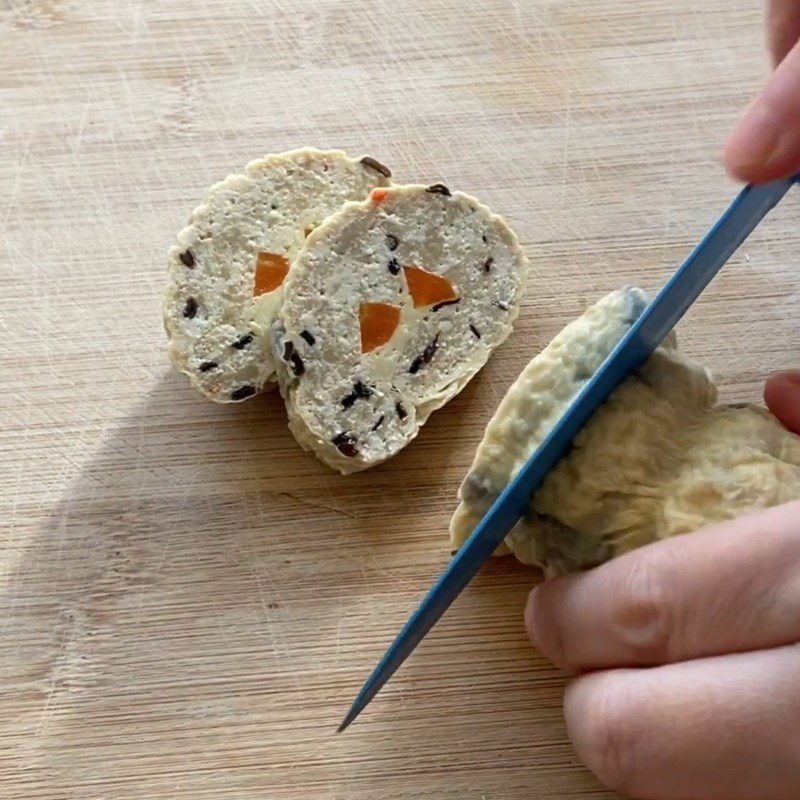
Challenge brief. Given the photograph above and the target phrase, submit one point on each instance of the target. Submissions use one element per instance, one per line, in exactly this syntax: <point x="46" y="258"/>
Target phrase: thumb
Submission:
<point x="766" y="144"/>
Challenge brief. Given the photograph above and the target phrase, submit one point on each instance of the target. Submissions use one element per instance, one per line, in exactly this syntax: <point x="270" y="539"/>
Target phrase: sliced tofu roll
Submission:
<point x="393" y="305"/>
<point x="227" y="270"/>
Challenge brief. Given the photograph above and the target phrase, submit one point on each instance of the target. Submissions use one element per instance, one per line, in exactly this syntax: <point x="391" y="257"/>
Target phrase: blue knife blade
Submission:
<point x="647" y="332"/>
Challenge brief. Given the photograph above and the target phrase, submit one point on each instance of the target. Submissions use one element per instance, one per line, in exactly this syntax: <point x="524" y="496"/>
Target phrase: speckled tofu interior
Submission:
<point x="354" y="408"/>
<point x="215" y="314"/>
<point x="658" y="459"/>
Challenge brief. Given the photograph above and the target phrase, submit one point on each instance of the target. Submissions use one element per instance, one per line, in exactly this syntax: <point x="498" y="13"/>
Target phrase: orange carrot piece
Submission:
<point x="427" y="288"/>
<point x="378" y="322"/>
<point x="271" y="270"/>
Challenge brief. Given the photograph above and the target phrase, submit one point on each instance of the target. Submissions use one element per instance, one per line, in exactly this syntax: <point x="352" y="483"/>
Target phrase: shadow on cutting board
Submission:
<point x="206" y="599"/>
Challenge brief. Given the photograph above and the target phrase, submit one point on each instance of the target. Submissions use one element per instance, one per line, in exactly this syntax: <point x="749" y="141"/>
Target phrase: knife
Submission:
<point x="645" y="335"/>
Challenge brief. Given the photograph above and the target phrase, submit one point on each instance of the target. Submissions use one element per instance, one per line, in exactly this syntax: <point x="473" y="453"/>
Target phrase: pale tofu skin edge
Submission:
<point x="658" y="459"/>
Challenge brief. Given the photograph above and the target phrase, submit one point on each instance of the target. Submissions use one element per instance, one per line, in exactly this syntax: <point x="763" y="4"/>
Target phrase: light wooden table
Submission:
<point x="188" y="602"/>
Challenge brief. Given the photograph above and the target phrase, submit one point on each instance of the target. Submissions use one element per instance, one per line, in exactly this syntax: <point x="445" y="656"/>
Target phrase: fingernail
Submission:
<point x="792" y="377"/>
<point x="530" y="616"/>
<point x="757" y="140"/>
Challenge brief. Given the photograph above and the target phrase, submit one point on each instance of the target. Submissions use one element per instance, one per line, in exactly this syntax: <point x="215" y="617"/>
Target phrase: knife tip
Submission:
<point x="349" y="717"/>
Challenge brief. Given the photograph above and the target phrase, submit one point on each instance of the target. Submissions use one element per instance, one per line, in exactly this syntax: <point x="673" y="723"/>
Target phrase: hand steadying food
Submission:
<point x="692" y="644"/>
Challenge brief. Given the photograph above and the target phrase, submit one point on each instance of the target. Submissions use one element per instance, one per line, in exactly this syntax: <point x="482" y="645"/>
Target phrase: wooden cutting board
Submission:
<point x="188" y="602"/>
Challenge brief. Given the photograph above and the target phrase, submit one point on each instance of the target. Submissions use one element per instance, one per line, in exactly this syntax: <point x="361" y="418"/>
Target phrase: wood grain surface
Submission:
<point x="188" y="602"/>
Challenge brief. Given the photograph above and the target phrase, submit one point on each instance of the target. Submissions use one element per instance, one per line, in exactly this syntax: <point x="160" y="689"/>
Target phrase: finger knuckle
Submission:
<point x="608" y="737"/>
<point x="641" y="618"/>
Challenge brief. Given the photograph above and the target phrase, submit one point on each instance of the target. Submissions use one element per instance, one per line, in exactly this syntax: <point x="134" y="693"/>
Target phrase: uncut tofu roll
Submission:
<point x="392" y="306"/>
<point x="660" y="458"/>
<point x="226" y="272"/>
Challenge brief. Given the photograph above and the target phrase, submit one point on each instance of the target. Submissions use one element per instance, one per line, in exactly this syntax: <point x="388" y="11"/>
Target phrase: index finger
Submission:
<point x="728" y="588"/>
<point x="766" y="144"/>
<point x="783" y="27"/>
